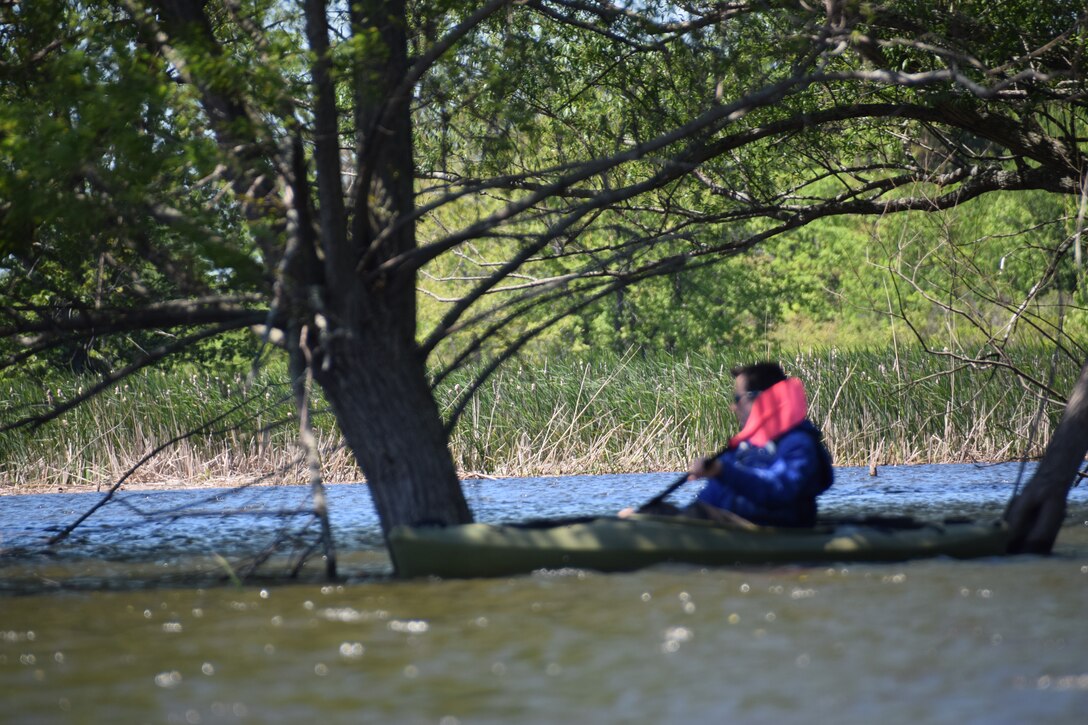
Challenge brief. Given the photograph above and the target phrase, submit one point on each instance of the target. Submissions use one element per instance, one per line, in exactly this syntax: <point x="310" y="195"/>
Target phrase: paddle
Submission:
<point x="673" y="486"/>
<point x="552" y="523"/>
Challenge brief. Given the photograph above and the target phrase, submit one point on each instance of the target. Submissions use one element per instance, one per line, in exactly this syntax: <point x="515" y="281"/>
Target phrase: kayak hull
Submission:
<point x="615" y="544"/>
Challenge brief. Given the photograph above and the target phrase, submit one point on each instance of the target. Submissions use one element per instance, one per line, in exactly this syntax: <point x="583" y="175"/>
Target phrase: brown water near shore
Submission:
<point x="113" y="631"/>
<point x="936" y="642"/>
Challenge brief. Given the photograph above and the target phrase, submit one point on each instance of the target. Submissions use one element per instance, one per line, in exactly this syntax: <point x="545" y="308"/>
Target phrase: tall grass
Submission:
<point x="219" y="430"/>
<point x="608" y="414"/>
<point x="650" y="413"/>
<point x="877" y="407"/>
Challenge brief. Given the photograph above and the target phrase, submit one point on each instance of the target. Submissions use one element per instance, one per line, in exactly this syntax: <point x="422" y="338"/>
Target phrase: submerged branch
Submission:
<point x="64" y="533"/>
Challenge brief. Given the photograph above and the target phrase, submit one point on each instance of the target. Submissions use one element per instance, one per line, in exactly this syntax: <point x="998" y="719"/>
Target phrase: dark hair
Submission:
<point x="761" y="375"/>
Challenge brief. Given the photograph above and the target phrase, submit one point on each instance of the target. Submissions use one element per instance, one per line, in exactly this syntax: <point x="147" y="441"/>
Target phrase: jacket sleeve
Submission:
<point x="779" y="480"/>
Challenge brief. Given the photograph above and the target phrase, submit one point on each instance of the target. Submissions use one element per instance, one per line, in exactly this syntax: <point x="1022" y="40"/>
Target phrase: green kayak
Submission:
<point x="615" y="544"/>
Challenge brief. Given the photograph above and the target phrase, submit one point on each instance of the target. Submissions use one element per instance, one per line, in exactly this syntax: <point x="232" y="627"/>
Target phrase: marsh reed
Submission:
<point x="636" y="413"/>
<point x="214" y="429"/>
<point x="607" y="414"/>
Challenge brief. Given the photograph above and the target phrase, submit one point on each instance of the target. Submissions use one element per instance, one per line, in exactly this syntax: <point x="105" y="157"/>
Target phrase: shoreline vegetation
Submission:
<point x="633" y="413"/>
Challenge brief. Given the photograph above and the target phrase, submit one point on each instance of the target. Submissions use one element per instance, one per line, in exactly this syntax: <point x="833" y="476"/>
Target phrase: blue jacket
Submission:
<point x="776" y="485"/>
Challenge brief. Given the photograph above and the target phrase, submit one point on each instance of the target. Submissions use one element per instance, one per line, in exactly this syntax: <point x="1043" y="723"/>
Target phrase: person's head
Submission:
<point x="751" y="380"/>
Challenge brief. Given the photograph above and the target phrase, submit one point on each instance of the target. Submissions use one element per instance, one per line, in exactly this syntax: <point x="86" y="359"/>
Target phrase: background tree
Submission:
<point x="301" y="165"/>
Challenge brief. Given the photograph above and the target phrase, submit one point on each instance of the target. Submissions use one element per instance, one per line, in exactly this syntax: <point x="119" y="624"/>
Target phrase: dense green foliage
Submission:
<point x="837" y="280"/>
<point x="957" y="276"/>
<point x="114" y="195"/>
<point x="87" y="138"/>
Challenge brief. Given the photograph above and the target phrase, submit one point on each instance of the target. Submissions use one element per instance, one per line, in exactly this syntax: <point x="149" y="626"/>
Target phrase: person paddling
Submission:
<point x="773" y="470"/>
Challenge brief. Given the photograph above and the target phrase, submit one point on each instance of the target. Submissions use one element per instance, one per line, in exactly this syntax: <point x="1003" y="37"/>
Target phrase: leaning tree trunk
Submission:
<point x="1036" y="515"/>
<point x="378" y="389"/>
<point x="368" y="362"/>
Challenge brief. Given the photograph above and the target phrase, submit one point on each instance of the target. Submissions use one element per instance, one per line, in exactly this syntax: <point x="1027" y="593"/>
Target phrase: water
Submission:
<point x="109" y="632"/>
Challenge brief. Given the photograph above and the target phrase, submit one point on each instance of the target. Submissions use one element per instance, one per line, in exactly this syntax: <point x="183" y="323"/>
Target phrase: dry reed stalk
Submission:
<point x="606" y="418"/>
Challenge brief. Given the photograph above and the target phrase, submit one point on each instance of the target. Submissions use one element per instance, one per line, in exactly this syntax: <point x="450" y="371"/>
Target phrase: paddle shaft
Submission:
<point x="675" y="485"/>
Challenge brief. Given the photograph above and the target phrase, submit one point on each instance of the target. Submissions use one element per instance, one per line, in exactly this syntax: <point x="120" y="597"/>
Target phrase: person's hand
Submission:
<point x="704" y="468"/>
<point x="626" y="512"/>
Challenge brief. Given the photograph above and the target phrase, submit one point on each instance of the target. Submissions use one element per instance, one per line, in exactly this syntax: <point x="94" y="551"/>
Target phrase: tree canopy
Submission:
<point x="175" y="170"/>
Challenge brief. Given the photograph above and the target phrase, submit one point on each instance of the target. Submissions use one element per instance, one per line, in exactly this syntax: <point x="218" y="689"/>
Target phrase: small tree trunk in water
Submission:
<point x="1036" y="515"/>
<point x="300" y="375"/>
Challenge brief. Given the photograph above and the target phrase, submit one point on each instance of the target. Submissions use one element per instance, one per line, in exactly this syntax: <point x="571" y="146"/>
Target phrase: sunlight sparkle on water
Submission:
<point x="411" y="627"/>
<point x="352" y="650"/>
<point x="168" y="679"/>
<point x="341" y="614"/>
<point x="9" y="636"/>
<point x="855" y="645"/>
<point x="1054" y="682"/>
<point x="674" y="636"/>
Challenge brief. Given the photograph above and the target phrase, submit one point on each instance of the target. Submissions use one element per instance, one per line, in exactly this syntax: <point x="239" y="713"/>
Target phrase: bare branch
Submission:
<point x="228" y="311"/>
<point x="67" y="530"/>
<point x="114" y="377"/>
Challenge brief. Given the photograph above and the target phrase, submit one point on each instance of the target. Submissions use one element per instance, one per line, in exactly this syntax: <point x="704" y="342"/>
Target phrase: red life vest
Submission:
<point x="774" y="411"/>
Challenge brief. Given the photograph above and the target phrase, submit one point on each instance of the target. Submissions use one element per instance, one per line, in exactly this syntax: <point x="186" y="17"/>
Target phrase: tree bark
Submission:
<point x="378" y="389"/>
<point x="367" y="362"/>
<point x="1035" y="516"/>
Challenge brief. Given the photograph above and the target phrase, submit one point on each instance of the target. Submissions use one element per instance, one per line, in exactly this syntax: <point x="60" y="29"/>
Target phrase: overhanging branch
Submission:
<point x="114" y="377"/>
<point x="232" y="312"/>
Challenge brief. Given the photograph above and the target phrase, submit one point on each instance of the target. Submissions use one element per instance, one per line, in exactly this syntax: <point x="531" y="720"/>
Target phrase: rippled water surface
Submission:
<point x="109" y="632"/>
